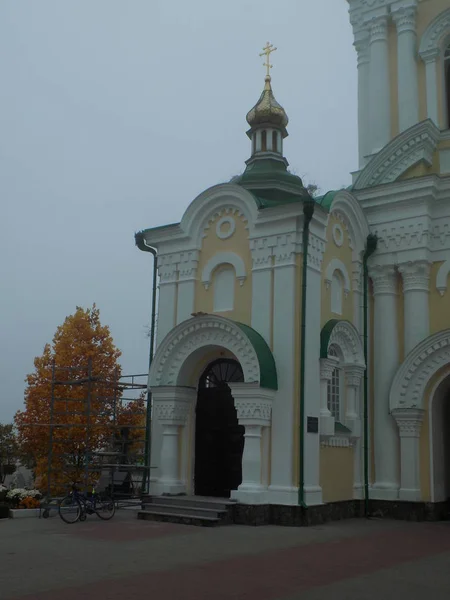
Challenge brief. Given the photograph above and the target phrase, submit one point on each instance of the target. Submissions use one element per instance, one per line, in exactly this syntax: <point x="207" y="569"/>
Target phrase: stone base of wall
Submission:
<point x="297" y="516"/>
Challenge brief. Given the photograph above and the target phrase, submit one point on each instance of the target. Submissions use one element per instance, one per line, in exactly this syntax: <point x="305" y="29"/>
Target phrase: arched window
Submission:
<point x="224" y="279"/>
<point x="264" y="141"/>
<point x="334" y="388"/>
<point x="336" y="293"/>
<point x="447" y="83"/>
<point x="274" y="141"/>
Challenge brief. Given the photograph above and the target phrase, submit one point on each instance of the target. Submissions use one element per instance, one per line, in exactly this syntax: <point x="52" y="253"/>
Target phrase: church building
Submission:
<point x="303" y="344"/>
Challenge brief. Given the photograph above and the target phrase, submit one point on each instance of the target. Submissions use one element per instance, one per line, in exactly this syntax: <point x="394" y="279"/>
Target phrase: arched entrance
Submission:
<point x="440" y="442"/>
<point x="219" y="439"/>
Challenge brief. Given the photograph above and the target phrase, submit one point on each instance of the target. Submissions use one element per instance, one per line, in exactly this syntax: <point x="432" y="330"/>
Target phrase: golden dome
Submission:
<point x="267" y="110"/>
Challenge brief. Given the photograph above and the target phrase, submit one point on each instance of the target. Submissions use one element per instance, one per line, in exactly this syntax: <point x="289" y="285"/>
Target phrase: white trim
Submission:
<point x="336" y="264"/>
<point x="227" y="234"/>
<point x="346" y="206"/>
<point x="411" y="379"/>
<point x="346" y="337"/>
<point x="181" y="350"/>
<point x="442" y="276"/>
<point x="431" y="40"/>
<point x="416" y="144"/>
<point x="222" y="258"/>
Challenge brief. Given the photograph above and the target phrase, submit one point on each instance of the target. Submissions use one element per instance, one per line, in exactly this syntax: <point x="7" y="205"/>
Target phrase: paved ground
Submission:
<point x="130" y="560"/>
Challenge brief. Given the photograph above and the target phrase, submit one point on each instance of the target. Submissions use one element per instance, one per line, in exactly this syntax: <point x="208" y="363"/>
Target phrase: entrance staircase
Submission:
<point x="188" y="510"/>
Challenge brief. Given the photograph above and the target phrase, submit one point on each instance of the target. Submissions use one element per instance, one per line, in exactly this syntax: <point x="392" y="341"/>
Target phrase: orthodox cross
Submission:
<point x="267" y="51"/>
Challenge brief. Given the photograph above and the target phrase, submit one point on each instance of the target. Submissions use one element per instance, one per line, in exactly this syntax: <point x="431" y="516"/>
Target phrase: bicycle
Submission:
<point x="76" y="506"/>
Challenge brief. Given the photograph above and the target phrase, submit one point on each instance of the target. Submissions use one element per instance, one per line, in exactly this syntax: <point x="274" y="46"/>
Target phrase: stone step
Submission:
<point x="220" y="504"/>
<point x="185" y="509"/>
<point x="148" y="515"/>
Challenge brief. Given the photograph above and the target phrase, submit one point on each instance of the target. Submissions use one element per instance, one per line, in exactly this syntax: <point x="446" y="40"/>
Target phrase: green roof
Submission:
<point x="267" y="368"/>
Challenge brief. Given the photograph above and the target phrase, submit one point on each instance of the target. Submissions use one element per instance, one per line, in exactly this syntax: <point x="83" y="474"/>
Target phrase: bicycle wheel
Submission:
<point x="105" y="507"/>
<point x="70" y="509"/>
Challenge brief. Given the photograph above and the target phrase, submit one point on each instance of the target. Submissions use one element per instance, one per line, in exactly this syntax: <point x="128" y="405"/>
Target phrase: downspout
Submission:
<point x="371" y="246"/>
<point x="142" y="245"/>
<point x="308" y="211"/>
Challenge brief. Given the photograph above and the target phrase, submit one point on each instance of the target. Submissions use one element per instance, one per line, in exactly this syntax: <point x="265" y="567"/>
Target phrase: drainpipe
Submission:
<point x="142" y="245"/>
<point x="371" y="246"/>
<point x="308" y="211"/>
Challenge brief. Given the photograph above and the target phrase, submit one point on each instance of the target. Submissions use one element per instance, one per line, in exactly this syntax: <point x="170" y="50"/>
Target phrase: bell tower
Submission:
<point x="403" y="49"/>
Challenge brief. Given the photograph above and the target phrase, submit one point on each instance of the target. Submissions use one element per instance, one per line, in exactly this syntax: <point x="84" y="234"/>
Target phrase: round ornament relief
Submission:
<point x="338" y="235"/>
<point x="225" y="228"/>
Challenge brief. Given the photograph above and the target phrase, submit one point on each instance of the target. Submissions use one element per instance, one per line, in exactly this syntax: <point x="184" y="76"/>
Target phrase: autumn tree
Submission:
<point x="83" y="364"/>
<point x="9" y="450"/>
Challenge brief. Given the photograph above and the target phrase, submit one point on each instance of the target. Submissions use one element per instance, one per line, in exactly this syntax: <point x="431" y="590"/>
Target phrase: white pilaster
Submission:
<point x="254" y="411"/>
<point x="187" y="274"/>
<point x="357" y="276"/>
<point x="386" y="359"/>
<point x="327" y="366"/>
<point x="262" y="289"/>
<point x="167" y="300"/>
<point x="430" y="58"/>
<point x="171" y="408"/>
<point x="312" y="488"/>
<point x="409" y="423"/>
<point x="362" y="48"/>
<point x="416" y="288"/>
<point x="408" y="89"/>
<point x="353" y="378"/>
<point x="379" y="87"/>
<point x="281" y="486"/>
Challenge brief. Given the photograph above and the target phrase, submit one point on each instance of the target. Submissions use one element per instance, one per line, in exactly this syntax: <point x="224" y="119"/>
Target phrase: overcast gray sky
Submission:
<point x="114" y="115"/>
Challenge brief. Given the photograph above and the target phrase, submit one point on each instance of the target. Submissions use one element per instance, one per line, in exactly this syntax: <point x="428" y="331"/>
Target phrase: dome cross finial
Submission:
<point x="267" y="51"/>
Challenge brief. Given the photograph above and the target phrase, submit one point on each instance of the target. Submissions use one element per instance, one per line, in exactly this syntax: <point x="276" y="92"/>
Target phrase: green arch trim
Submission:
<point x="267" y="368"/>
<point x="325" y="335"/>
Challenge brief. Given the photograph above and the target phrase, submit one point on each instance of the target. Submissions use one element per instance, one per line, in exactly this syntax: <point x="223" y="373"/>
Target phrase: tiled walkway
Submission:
<point x="130" y="559"/>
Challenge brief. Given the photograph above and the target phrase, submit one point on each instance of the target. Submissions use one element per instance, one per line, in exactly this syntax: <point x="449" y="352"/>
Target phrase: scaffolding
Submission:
<point x="98" y="433"/>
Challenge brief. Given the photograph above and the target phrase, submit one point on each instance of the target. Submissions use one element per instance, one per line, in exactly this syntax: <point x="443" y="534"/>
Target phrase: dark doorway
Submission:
<point x="219" y="439"/>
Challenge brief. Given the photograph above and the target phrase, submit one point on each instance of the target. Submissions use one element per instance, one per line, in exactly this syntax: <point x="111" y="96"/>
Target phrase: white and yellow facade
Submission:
<point x="231" y="280"/>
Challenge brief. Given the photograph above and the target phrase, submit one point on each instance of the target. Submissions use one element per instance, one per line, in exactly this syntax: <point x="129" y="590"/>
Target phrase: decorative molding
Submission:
<point x="338" y="235"/>
<point x="353" y="375"/>
<point x="167" y="269"/>
<point x="224" y="258"/>
<point x="348" y="210"/>
<point x="405" y="18"/>
<point x="411" y="379"/>
<point x="415" y="276"/>
<point x="409" y="421"/>
<point x="316" y="250"/>
<point x="345" y="336"/>
<point x="384" y="278"/>
<point x="337" y="441"/>
<point x="327" y="366"/>
<point x="430" y="44"/>
<point x="187" y="266"/>
<point x="224" y="235"/>
<point x="416" y="144"/>
<point x="196" y="333"/>
<point x="173" y="412"/>
<point x="378" y="27"/>
<point x="254" y="410"/>
<point x="336" y="264"/>
<point x="442" y="277"/>
<point x="357" y="276"/>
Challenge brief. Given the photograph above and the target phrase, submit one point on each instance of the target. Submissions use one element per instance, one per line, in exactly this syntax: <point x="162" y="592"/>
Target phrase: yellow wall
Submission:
<point x="336" y="473"/>
<point x="439" y="305"/>
<point x="239" y="244"/>
<point x="343" y="253"/>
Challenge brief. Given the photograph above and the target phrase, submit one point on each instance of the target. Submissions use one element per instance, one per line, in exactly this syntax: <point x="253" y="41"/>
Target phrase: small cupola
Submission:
<point x="267" y="119"/>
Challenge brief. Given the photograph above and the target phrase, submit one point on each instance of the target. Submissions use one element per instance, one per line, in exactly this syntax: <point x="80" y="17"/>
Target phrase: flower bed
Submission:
<point x="19" y="500"/>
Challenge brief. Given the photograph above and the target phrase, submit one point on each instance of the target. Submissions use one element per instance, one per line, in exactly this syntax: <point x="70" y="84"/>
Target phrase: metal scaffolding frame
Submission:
<point x="88" y="437"/>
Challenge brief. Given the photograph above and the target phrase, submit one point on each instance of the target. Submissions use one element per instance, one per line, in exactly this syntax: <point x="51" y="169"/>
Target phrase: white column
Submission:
<point x="327" y="366"/>
<point x="254" y="411"/>
<point x="285" y="307"/>
<point x="408" y="88"/>
<point x="187" y="275"/>
<point x="386" y="360"/>
<point x="416" y="289"/>
<point x="409" y="423"/>
<point x="362" y="48"/>
<point x="357" y="276"/>
<point x="353" y="376"/>
<point x="167" y="299"/>
<point x="430" y="58"/>
<point x="262" y="289"/>
<point x="379" y="86"/>
<point x="171" y="408"/>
